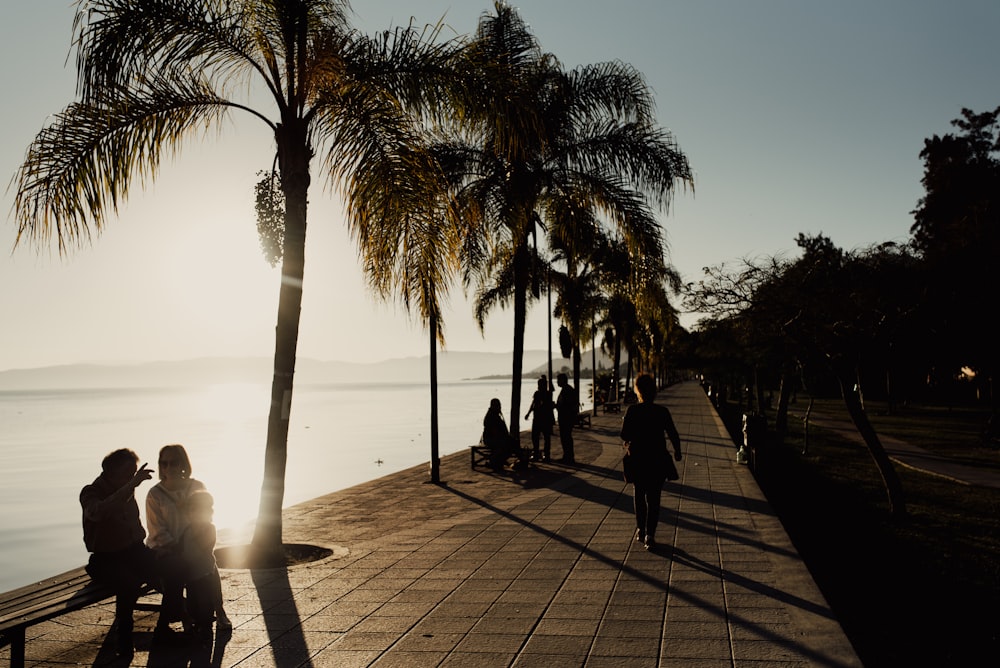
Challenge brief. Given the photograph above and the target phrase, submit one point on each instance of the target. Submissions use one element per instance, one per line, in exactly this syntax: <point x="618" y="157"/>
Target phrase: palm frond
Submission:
<point x="121" y="41"/>
<point x="83" y="164"/>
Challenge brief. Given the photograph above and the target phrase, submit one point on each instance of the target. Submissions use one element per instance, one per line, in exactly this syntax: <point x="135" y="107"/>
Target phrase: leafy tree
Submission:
<point x="154" y="74"/>
<point x="830" y="324"/>
<point x="823" y="310"/>
<point x="957" y="231"/>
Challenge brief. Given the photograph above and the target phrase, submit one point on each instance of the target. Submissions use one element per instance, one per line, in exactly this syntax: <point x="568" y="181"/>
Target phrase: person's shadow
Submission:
<point x="190" y="654"/>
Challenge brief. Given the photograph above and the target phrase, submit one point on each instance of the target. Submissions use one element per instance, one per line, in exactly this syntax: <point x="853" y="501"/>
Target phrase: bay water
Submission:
<point x="341" y="434"/>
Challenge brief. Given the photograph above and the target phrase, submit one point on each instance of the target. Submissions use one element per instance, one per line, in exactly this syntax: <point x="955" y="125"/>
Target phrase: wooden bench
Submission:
<point x="48" y="599"/>
<point x="480" y="454"/>
<point x="613" y="407"/>
<point x="583" y="419"/>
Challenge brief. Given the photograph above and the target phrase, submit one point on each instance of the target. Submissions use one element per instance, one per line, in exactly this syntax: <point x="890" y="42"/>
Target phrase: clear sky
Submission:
<point x="796" y="115"/>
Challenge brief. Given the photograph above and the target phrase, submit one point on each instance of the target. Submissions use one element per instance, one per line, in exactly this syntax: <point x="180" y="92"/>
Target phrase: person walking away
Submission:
<point x="204" y="584"/>
<point x="540" y="412"/>
<point x="645" y="462"/>
<point x="167" y="520"/>
<point x="567" y="410"/>
<point x="113" y="535"/>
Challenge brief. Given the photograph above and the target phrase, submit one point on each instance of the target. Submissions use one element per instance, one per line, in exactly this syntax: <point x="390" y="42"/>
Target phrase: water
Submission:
<point x="340" y="435"/>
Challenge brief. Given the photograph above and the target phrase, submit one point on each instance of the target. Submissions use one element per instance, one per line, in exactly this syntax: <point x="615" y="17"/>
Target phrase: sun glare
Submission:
<point x="231" y="465"/>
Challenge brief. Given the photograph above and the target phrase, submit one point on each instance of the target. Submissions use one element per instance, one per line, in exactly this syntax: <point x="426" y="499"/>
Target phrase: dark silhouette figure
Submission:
<point x="496" y="436"/>
<point x="646" y="463"/>
<point x="540" y="412"/>
<point x="204" y="586"/>
<point x="567" y="410"/>
<point x="114" y="537"/>
<point x="166" y="513"/>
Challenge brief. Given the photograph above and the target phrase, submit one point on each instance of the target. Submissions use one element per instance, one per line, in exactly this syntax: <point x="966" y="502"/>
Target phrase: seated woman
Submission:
<point x="496" y="436"/>
<point x="167" y="520"/>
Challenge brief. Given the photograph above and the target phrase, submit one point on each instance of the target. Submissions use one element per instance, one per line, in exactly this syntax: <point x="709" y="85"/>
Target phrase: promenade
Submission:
<point x="524" y="569"/>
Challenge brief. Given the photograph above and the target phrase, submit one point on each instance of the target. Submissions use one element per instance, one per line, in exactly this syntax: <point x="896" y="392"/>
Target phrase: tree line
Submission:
<point x="900" y="322"/>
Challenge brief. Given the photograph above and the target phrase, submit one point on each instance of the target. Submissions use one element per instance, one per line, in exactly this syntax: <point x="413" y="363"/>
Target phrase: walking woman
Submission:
<point x="646" y="463"/>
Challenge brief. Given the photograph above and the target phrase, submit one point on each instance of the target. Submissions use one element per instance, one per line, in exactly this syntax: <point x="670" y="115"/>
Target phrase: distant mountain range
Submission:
<point x="452" y="366"/>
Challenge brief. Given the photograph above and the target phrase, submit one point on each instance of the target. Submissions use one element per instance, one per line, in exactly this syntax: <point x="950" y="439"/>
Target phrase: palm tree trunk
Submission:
<point x="293" y="154"/>
<point x="435" y="461"/>
<point x="520" y="318"/>
<point x="593" y="368"/>
<point x="548" y="317"/>
<point x="577" y="359"/>
<point x="616" y="372"/>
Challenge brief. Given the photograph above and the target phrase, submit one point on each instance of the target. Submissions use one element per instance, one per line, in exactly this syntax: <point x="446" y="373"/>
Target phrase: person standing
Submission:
<point x="540" y="412"/>
<point x="646" y="463"/>
<point x="567" y="410"/>
<point x="113" y="535"/>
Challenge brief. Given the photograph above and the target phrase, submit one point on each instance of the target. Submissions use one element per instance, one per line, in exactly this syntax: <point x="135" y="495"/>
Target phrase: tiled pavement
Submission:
<point x="533" y="569"/>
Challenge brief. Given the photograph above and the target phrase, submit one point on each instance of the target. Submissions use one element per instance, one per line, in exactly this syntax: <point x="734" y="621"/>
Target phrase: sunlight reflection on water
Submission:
<point x="340" y="435"/>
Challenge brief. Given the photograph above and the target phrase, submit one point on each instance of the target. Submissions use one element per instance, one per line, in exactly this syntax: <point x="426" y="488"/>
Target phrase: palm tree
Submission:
<point x="579" y="294"/>
<point x="543" y="134"/>
<point x="417" y="258"/>
<point x="619" y="285"/>
<point x="153" y="74"/>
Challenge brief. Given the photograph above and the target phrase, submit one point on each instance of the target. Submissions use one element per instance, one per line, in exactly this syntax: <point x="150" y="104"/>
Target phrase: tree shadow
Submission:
<point x="759" y="629"/>
<point x="281" y="617"/>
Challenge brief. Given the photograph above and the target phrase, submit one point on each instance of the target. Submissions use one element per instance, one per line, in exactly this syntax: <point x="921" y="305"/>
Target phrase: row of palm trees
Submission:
<point x="478" y="160"/>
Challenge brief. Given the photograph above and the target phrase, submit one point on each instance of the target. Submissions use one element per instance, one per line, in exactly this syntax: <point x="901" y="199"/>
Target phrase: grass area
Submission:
<point x="921" y="591"/>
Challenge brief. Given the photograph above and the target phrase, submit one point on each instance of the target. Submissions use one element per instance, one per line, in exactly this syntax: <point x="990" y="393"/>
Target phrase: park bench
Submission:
<point x="583" y="419"/>
<point x="480" y="454"/>
<point x="612" y="407"/>
<point x="48" y="599"/>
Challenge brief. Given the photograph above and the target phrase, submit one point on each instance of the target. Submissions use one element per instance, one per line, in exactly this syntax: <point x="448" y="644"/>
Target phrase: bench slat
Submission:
<point x="57" y="588"/>
<point x="49" y="598"/>
<point x="53" y="605"/>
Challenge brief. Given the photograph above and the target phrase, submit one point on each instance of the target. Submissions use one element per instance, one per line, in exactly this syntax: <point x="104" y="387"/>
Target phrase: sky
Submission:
<point x="797" y="116"/>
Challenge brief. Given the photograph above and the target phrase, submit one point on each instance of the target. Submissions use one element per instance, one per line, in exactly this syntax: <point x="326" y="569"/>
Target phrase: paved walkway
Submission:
<point x="501" y="570"/>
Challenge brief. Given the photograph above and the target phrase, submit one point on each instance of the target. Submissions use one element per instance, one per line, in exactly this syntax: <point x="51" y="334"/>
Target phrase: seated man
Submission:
<point x="114" y="536"/>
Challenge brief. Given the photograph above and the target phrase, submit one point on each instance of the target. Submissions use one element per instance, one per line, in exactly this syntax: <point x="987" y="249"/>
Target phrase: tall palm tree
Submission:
<point x="620" y="287"/>
<point x="418" y="257"/>
<point x="579" y="293"/>
<point x="153" y="74"/>
<point x="541" y="133"/>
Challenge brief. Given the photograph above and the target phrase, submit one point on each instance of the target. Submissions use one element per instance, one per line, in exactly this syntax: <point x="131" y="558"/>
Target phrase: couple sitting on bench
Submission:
<point x="178" y="555"/>
<point x="497" y="437"/>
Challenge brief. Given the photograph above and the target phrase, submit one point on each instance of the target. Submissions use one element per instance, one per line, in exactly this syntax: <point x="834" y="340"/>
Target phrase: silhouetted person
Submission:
<point x="496" y="435"/>
<point x="113" y="535"/>
<point x="167" y="519"/>
<point x="204" y="586"/>
<point x="646" y="463"/>
<point x="540" y="412"/>
<point x="567" y="409"/>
